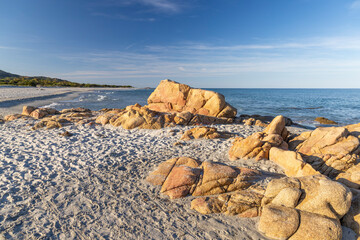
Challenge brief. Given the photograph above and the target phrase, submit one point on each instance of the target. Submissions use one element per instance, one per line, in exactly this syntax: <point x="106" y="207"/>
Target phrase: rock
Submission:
<point x="136" y="116"/>
<point x="183" y="176"/>
<point x="204" y="132"/>
<point x="350" y="177"/>
<point x="219" y="178"/>
<point x="326" y="121"/>
<point x="291" y="162"/>
<point x="53" y="124"/>
<point x="180" y="181"/>
<point x="170" y="96"/>
<point x="12" y="117"/>
<point x="352" y="217"/>
<point x="259" y="144"/>
<point x="27" y="110"/>
<point x="75" y="110"/>
<point x="243" y="203"/>
<point x="38" y="113"/>
<point x="330" y="150"/>
<point x="159" y="176"/>
<point x="279" y="222"/>
<point x="66" y="134"/>
<point x="319" y="195"/>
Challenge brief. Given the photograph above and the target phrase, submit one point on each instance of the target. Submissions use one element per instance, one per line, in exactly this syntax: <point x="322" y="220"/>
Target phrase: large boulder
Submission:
<point x="315" y="194"/>
<point x="258" y="145"/>
<point x="279" y="222"/>
<point x="304" y="208"/>
<point x="330" y="151"/>
<point x="170" y="96"/>
<point x="180" y="177"/>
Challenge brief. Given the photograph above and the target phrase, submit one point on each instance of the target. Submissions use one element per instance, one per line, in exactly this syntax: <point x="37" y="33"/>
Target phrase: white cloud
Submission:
<point x="315" y="57"/>
<point x="355" y="4"/>
<point x="163" y="5"/>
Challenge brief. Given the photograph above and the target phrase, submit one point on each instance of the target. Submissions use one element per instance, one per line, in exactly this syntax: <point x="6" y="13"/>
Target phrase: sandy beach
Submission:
<point x="13" y="98"/>
<point x="91" y="185"/>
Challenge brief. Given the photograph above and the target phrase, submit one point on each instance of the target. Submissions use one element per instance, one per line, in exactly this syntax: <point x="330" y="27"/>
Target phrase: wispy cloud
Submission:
<point x="340" y="43"/>
<point x="163" y="5"/>
<point x="122" y="17"/>
<point x="355" y="5"/>
<point x="330" y="55"/>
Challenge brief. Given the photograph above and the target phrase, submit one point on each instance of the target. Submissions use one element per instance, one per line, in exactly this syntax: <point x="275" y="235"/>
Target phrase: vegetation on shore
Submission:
<point x="17" y="80"/>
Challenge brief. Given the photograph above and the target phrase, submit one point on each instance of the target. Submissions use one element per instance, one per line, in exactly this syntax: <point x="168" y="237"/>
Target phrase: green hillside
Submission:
<point x="17" y="80"/>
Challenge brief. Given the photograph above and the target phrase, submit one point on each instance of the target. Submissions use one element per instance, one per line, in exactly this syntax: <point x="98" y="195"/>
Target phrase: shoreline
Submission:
<point x="37" y="98"/>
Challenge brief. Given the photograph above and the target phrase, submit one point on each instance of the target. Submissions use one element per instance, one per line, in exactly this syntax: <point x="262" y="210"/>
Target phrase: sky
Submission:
<point x="203" y="43"/>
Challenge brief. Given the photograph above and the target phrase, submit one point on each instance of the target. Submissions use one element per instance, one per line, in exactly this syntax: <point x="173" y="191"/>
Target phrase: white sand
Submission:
<point x="91" y="185"/>
<point x="12" y="99"/>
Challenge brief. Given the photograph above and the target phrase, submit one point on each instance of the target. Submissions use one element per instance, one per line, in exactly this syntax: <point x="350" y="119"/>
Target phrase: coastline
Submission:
<point x="12" y="99"/>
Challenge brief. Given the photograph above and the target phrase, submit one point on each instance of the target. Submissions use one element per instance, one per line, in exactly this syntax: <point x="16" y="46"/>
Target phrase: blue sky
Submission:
<point x="204" y="43"/>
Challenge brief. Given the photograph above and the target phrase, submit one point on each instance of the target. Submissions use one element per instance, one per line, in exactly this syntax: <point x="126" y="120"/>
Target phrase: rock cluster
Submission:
<point x="204" y="133"/>
<point x="170" y="96"/>
<point x="51" y="118"/>
<point x="258" y="145"/>
<point x="304" y="208"/>
<point x="333" y="151"/>
<point x="309" y="207"/>
<point x="184" y="176"/>
<point x="137" y="116"/>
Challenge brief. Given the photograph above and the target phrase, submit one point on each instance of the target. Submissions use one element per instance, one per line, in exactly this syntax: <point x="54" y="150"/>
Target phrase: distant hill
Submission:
<point x="6" y="74"/>
<point x="17" y="80"/>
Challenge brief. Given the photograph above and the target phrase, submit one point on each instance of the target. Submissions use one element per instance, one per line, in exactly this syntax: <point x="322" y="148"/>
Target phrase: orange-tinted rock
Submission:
<point x="159" y="176"/>
<point x="12" y="117"/>
<point x="318" y="194"/>
<point x="350" y="177"/>
<point x="326" y="121"/>
<point x="291" y="162"/>
<point x="330" y="150"/>
<point x="38" y="113"/>
<point x="170" y="96"/>
<point x="244" y="203"/>
<point x="278" y="222"/>
<point x="205" y="133"/>
<point x="258" y="145"/>
<point x="27" y="110"/>
<point x="207" y="179"/>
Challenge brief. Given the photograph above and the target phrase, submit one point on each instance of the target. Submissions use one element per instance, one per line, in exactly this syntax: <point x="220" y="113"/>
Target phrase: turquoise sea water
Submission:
<point x="301" y="105"/>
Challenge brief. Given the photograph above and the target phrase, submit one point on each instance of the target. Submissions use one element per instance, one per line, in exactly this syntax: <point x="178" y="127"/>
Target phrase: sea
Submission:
<point x="301" y="105"/>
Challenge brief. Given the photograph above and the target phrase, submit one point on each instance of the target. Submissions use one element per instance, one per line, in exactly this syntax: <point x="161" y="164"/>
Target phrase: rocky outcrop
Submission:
<point x="204" y="133"/>
<point x="180" y="177"/>
<point x="304" y="208"/>
<point x="170" y="96"/>
<point x="315" y="194"/>
<point x="330" y="151"/>
<point x="325" y="121"/>
<point x="137" y="116"/>
<point x="258" y="145"/>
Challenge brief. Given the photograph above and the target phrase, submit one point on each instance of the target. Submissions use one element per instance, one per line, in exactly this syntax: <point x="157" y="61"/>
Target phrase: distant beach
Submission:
<point x="13" y="98"/>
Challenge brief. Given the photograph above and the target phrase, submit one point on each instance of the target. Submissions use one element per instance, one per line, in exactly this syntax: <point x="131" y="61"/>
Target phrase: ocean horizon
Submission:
<point x="302" y="105"/>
